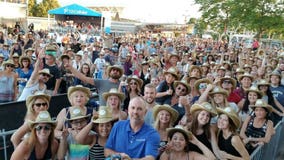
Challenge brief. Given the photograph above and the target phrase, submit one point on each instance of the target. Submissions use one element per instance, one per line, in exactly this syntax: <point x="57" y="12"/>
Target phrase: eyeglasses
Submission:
<point x="202" y="86"/>
<point x="46" y="128"/>
<point x="40" y="104"/>
<point x="227" y="82"/>
<point x="181" y="89"/>
<point x="45" y="75"/>
<point x="8" y="65"/>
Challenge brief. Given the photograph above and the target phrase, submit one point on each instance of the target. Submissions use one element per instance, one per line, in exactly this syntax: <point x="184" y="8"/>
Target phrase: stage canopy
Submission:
<point x="74" y="10"/>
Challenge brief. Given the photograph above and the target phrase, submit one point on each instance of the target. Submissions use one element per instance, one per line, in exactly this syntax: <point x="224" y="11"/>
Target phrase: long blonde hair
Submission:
<point x="31" y="115"/>
<point x="157" y="122"/>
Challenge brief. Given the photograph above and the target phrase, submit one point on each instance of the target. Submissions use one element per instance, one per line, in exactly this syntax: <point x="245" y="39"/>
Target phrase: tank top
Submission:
<point x="77" y="151"/>
<point x="96" y="152"/>
<point x="204" y="140"/>
<point x="226" y="145"/>
<point x="31" y="90"/>
<point x="7" y="88"/>
<point x="252" y="131"/>
<point x="47" y="154"/>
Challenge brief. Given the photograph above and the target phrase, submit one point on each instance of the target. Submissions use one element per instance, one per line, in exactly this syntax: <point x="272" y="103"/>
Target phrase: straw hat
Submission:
<point x="262" y="82"/>
<point x="203" y="106"/>
<point x="232" y="80"/>
<point x="245" y="75"/>
<point x="45" y="71"/>
<point x="69" y="49"/>
<point x="1" y="55"/>
<point x="105" y="115"/>
<point x="135" y="78"/>
<point x="113" y="91"/>
<point x="43" y="117"/>
<point x="78" y="88"/>
<point x="183" y="82"/>
<point x="179" y="128"/>
<point x="173" y="112"/>
<point x="23" y="57"/>
<point x="247" y="66"/>
<point x="9" y="61"/>
<point x="275" y="73"/>
<point x="261" y="103"/>
<point x="80" y="53"/>
<point x="115" y="67"/>
<point x="51" y="48"/>
<point x="36" y="95"/>
<point x="218" y="90"/>
<point x="221" y="68"/>
<point x="77" y="113"/>
<point x="254" y="89"/>
<point x="29" y="49"/>
<point x="240" y="70"/>
<point x="173" y="71"/>
<point x="174" y="55"/>
<point x="205" y="65"/>
<point x="144" y="62"/>
<point x="15" y="55"/>
<point x="231" y="114"/>
<point x="203" y="80"/>
<point x="195" y="67"/>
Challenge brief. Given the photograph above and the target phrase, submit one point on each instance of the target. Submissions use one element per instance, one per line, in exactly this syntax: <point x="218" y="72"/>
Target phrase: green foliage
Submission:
<point x="41" y="9"/>
<point x="260" y="16"/>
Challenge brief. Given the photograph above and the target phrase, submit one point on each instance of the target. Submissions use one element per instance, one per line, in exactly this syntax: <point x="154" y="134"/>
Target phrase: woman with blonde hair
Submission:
<point x="35" y="104"/>
<point x="164" y="117"/>
<point x="41" y="144"/>
<point x="113" y="100"/>
<point x="78" y="96"/>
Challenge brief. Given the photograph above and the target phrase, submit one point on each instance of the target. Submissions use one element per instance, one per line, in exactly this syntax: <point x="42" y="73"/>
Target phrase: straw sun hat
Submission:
<point x="173" y="112"/>
<point x="135" y="78"/>
<point x="231" y="114"/>
<point x="113" y="91"/>
<point x="261" y="103"/>
<point x="78" y="88"/>
<point x="105" y="115"/>
<point x="203" y="106"/>
<point x="77" y="113"/>
<point x="45" y="71"/>
<point x="31" y="98"/>
<point x="115" y="67"/>
<point x="179" y="128"/>
<point x="43" y="117"/>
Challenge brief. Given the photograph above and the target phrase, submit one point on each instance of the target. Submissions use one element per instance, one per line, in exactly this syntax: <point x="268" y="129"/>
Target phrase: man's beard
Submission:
<point x="115" y="76"/>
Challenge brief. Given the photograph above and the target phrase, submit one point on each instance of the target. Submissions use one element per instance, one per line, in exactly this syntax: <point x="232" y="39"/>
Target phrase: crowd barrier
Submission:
<point x="12" y="117"/>
<point x="269" y="150"/>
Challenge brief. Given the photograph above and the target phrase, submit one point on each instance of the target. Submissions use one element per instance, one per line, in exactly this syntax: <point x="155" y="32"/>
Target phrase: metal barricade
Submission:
<point x="269" y="150"/>
<point x="4" y="135"/>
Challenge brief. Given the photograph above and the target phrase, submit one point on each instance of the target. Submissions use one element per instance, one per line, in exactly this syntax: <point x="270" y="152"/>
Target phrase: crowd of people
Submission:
<point x="159" y="97"/>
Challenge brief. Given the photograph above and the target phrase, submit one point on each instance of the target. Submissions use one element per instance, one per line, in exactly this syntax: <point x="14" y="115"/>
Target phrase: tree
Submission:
<point x="41" y="9"/>
<point x="254" y="15"/>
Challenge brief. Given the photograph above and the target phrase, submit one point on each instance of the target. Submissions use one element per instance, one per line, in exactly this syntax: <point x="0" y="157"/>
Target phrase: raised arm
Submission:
<point x="207" y="154"/>
<point x="83" y="137"/>
<point x="19" y="134"/>
<point x="79" y="75"/>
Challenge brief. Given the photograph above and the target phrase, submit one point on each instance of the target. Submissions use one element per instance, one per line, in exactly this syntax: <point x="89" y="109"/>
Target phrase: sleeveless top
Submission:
<point x="7" y="88"/>
<point x="96" y="152"/>
<point x="252" y="131"/>
<point x="47" y="154"/>
<point x="226" y="145"/>
<point x="174" y="158"/>
<point x="204" y="140"/>
<point x="31" y="90"/>
<point x="77" y="151"/>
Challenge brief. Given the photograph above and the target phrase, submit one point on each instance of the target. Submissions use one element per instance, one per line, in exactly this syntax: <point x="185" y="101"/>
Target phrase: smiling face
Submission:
<point x="164" y="117"/>
<point x="203" y="117"/>
<point x="223" y="122"/>
<point x="260" y="112"/>
<point x="104" y="129"/>
<point x="218" y="98"/>
<point x="43" y="131"/>
<point x="78" y="98"/>
<point x="137" y="110"/>
<point x="252" y="97"/>
<point x="39" y="105"/>
<point x="178" y="142"/>
<point x="149" y="94"/>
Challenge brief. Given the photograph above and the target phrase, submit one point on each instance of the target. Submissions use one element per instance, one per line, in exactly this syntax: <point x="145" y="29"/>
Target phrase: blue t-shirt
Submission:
<point x="278" y="93"/>
<point x="143" y="143"/>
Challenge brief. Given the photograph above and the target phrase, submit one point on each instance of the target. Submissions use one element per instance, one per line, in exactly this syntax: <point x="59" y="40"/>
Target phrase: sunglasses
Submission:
<point x="202" y="86"/>
<point x="8" y="65"/>
<point x="45" y="75"/>
<point x="181" y="89"/>
<point x="133" y="83"/>
<point x="227" y="82"/>
<point x="40" y="104"/>
<point x="46" y="128"/>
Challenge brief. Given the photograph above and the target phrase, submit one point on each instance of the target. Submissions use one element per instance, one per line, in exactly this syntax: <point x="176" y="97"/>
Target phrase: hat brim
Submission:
<point x="203" y="80"/>
<point x="140" y="81"/>
<point x="78" y="88"/>
<point x="233" y="117"/>
<point x="176" y="83"/>
<point x="104" y="120"/>
<point x="30" y="98"/>
<point x="174" y="130"/>
<point x="172" y="73"/>
<point x="79" y="117"/>
<point x="41" y="72"/>
<point x="197" y="107"/>
<point x="115" y="67"/>
<point x="233" y="81"/>
<point x="268" y="107"/>
<point x="33" y="123"/>
<point x="119" y="95"/>
<point x="173" y="112"/>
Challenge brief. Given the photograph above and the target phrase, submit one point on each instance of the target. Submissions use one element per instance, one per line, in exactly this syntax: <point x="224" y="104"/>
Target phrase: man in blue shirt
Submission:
<point x="133" y="138"/>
